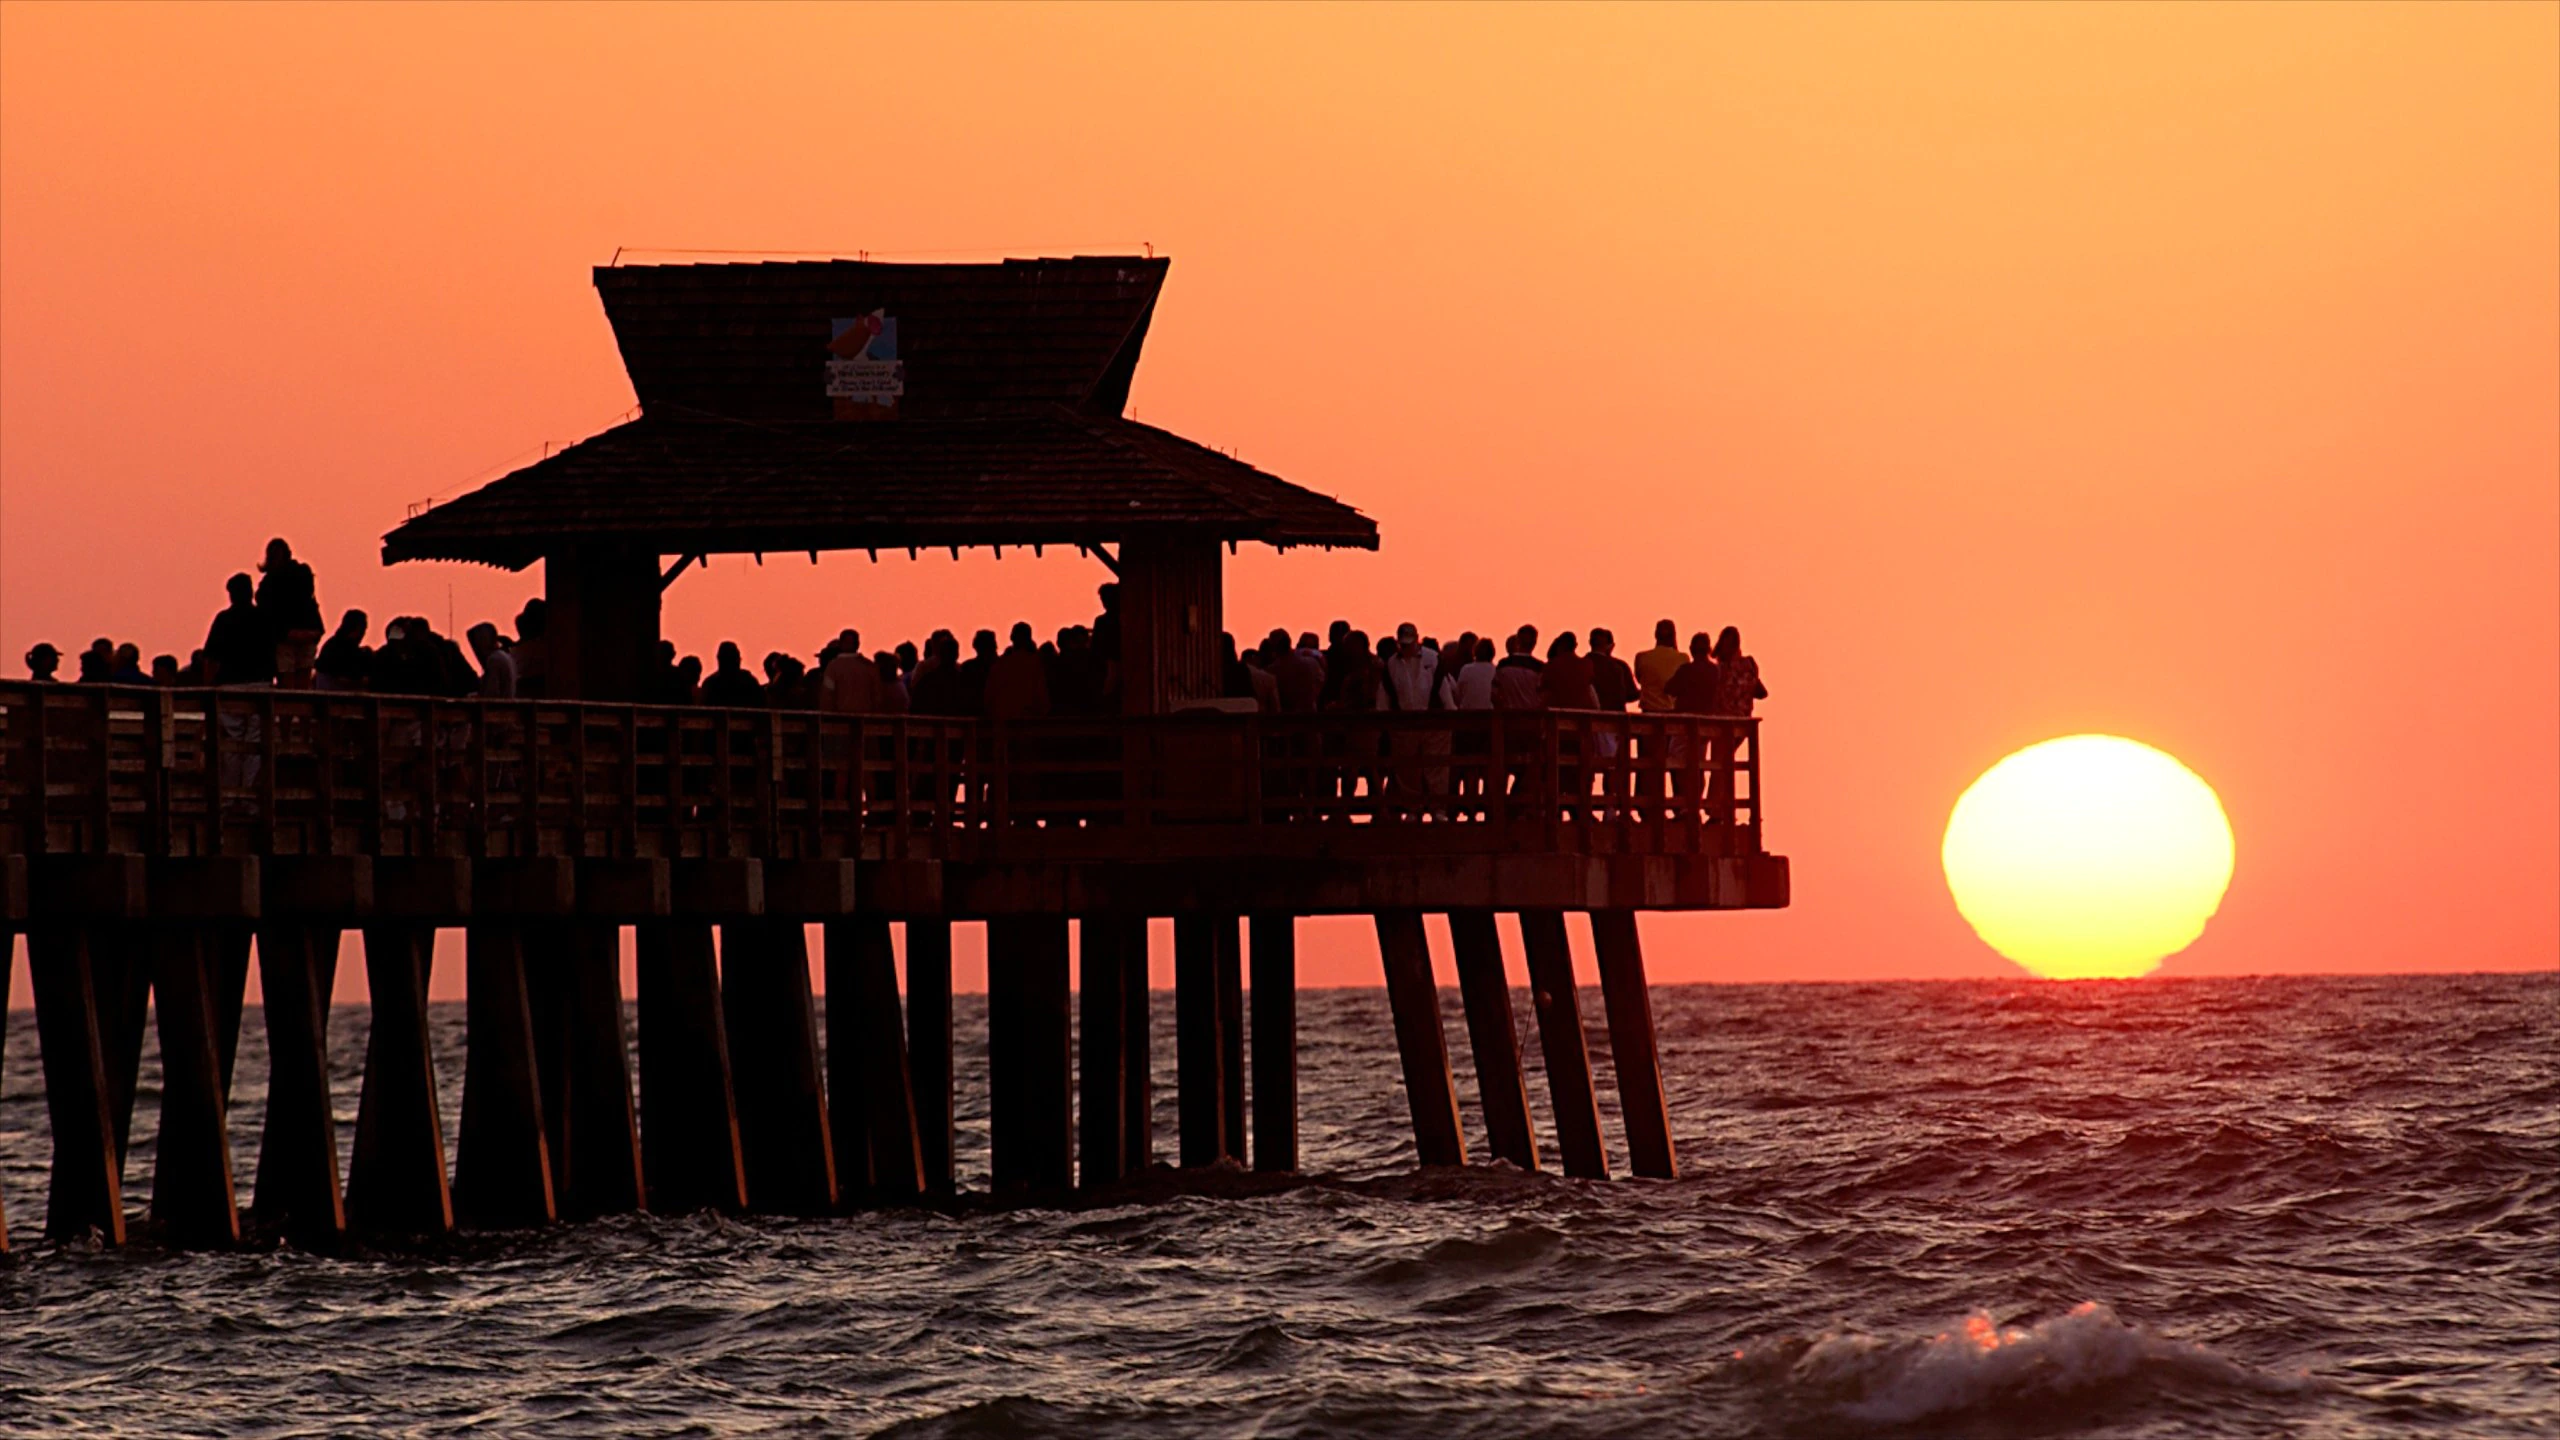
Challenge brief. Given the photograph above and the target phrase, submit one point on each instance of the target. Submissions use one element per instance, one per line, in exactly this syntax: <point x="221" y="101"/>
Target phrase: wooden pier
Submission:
<point x="152" y="841"/>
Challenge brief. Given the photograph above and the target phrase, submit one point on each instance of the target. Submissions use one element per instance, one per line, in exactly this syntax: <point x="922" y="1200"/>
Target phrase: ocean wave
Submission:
<point x="1980" y="1367"/>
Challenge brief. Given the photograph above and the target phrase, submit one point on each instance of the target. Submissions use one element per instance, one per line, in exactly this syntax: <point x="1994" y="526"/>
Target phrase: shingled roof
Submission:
<point x="1009" y="429"/>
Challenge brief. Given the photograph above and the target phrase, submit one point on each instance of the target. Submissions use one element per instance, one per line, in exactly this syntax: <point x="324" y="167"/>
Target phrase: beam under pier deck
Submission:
<point x="1405" y="951"/>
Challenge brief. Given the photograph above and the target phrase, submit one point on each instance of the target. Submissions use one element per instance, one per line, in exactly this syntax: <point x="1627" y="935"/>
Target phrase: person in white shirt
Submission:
<point x="1475" y="679"/>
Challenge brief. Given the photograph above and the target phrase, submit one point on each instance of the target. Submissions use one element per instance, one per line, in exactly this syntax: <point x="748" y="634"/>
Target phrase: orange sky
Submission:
<point x="2183" y="372"/>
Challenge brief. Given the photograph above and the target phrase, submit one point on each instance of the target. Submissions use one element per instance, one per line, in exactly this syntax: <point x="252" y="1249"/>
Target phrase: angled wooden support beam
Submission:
<point x="192" y="1194"/>
<point x="689" y="1141"/>
<point x="1030" y="1064"/>
<point x="929" y="1047"/>
<point x="1198" y="1048"/>
<point x="1275" y="1043"/>
<point x="773" y="1052"/>
<point x="1631" y="1044"/>
<point x="1494" y="1035"/>
<point x="1569" y="1088"/>
<point x="298" y="1146"/>
<point x="396" y="1182"/>
<point x="1405" y="951"/>
<point x="502" y="1156"/>
<point x="870" y="1096"/>
<point x="87" y="1193"/>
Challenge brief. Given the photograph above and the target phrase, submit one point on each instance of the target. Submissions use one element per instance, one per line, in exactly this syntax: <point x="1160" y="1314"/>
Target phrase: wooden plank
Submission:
<point x="502" y="1158"/>
<point x="396" y="1181"/>
<point x="867" y="1073"/>
<point x="1405" y="953"/>
<point x="1199" y="1071"/>
<point x="86" y="1193"/>
<point x="1569" y="1089"/>
<point x="1102" y="1051"/>
<point x="1494" y="1035"/>
<point x="773" y="1053"/>
<point x="1030" y="1061"/>
<point x="690" y="1148"/>
<point x="929" y="1047"/>
<point x="1631" y="1044"/>
<point x="298" y="1147"/>
<point x="192" y="1197"/>
<point x="1275" y="1043"/>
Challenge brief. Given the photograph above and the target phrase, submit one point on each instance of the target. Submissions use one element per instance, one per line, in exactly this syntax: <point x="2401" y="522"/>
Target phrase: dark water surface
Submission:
<point x="2242" y="1208"/>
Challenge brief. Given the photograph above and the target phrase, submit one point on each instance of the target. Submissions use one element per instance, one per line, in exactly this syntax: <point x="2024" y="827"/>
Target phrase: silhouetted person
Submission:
<point x="894" y="699"/>
<point x="164" y="670"/>
<point x="1693" y="690"/>
<point x="532" y="648"/>
<point x="1476" y="679"/>
<point x="848" y="683"/>
<point x="345" y="662"/>
<point x="1613" y="684"/>
<point x="1655" y="667"/>
<point x="730" y="685"/>
<point x="1106" y="642"/>
<point x="1409" y="667"/>
<point x="497" y="667"/>
<point x="288" y="598"/>
<point x="1519" y="682"/>
<point x="974" y="670"/>
<point x="686" y="687"/>
<point x="128" y="666"/>
<point x="784" y="679"/>
<point x="238" y="649"/>
<point x="937" y="688"/>
<point x="1301" y="676"/>
<point x="1737" y="676"/>
<point x="98" y="662"/>
<point x="42" y="661"/>
<point x="1017" y="683"/>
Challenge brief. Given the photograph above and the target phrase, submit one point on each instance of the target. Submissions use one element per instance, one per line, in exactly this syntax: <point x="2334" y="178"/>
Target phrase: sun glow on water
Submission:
<point x="2088" y="856"/>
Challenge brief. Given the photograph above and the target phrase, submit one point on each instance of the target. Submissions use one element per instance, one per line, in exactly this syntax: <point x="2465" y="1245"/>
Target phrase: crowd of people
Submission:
<point x="270" y="634"/>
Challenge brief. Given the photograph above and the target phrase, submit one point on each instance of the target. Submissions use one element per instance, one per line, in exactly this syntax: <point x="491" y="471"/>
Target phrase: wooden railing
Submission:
<point x="96" y="769"/>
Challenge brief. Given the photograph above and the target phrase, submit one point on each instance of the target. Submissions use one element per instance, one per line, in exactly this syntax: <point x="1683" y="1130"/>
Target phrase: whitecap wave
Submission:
<point x="1981" y="1365"/>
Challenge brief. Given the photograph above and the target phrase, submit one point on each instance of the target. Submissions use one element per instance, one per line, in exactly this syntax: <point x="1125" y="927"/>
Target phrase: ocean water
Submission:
<point x="2219" y="1208"/>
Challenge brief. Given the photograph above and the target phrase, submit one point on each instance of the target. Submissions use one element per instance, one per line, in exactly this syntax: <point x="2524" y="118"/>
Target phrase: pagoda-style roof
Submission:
<point x="1005" y="428"/>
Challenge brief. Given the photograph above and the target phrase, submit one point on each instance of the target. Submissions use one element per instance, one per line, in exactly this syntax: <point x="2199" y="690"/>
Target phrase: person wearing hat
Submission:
<point x="42" y="661"/>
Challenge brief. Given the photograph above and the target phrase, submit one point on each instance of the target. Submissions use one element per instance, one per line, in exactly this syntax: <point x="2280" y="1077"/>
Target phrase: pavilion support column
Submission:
<point x="298" y="1149"/>
<point x="1275" y="1043"/>
<point x="1560" y="1037"/>
<point x="1415" y="1000"/>
<point x="1198" y="1049"/>
<point x="689" y="1141"/>
<point x="502" y="1159"/>
<point x="929" y="1047"/>
<point x="87" y="1182"/>
<point x="1631" y="1044"/>
<point x="192" y="1196"/>
<point x="396" y="1180"/>
<point x="1494" y="1035"/>
<point x="1102" y="1052"/>
<point x="1030" y="1062"/>
<point x="773" y="1052"/>
<point x="870" y="1099"/>
<point x="603" y="634"/>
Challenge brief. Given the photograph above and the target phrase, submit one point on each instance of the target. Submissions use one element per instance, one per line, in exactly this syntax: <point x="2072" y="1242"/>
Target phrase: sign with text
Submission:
<point x="865" y="377"/>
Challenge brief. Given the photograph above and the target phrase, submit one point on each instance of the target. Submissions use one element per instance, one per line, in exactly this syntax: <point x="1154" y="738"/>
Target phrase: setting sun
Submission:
<point x="2088" y="856"/>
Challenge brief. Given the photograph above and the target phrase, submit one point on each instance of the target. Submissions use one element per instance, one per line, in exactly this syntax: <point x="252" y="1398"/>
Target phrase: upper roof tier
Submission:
<point x="843" y="404"/>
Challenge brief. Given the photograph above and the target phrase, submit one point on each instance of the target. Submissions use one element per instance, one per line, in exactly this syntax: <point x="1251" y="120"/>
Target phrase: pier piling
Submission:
<point x="773" y="1055"/>
<point x="1231" y="1038"/>
<point x="929" y="1045"/>
<point x="298" y="1150"/>
<point x="1275" y="1042"/>
<point x="192" y="1195"/>
<point x="1493" y="1034"/>
<point x="870" y="1095"/>
<point x="1030" y="1062"/>
<point x="1102" y="1053"/>
<point x="1631" y="1044"/>
<point x="396" y="1178"/>
<point x="1198" y="1048"/>
<point x="600" y="1135"/>
<point x="1405" y="950"/>
<point x="502" y="1157"/>
<point x="86" y="1191"/>
<point x="1569" y="1089"/>
<point x="692" y="1155"/>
